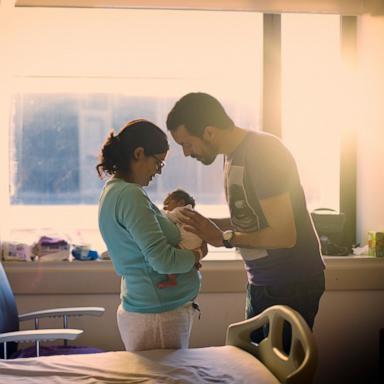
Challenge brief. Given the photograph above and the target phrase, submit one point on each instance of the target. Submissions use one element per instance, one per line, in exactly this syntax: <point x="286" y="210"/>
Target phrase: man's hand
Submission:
<point x="203" y="227"/>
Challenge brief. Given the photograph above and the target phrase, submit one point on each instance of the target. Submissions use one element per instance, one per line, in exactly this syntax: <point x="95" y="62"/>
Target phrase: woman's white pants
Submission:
<point x="166" y="330"/>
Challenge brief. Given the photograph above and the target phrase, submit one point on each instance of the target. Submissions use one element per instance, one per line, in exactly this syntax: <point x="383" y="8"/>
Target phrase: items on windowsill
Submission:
<point x="15" y="251"/>
<point x="329" y="248"/>
<point x="105" y="256"/>
<point x="83" y="252"/>
<point x="376" y="244"/>
<point x="51" y="249"/>
<point x="329" y="226"/>
<point x="48" y="245"/>
<point x="360" y="251"/>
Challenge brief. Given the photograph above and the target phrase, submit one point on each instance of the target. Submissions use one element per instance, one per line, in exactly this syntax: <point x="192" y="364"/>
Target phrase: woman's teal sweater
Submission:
<point x="141" y="243"/>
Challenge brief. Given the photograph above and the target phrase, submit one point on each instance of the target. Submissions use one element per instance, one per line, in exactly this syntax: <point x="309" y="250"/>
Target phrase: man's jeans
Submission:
<point x="303" y="296"/>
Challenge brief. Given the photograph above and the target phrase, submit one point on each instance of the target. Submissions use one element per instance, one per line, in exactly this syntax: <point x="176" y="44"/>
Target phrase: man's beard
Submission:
<point x="209" y="161"/>
<point x="210" y="155"/>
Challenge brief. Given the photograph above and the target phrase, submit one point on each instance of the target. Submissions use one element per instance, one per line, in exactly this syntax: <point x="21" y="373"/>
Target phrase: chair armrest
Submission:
<point x="59" y="312"/>
<point x="40" y="335"/>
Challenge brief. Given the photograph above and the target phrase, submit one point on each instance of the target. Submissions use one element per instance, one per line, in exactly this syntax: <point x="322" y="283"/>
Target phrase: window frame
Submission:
<point x="272" y="109"/>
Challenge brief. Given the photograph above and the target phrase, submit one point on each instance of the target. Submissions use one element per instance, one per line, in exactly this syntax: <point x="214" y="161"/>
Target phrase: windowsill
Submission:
<point x="219" y="275"/>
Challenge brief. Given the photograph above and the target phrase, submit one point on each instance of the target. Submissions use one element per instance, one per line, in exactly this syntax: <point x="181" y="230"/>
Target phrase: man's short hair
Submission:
<point x="196" y="111"/>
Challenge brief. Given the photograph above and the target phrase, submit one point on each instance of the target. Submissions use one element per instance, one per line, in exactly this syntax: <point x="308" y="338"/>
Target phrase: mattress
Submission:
<point x="224" y="365"/>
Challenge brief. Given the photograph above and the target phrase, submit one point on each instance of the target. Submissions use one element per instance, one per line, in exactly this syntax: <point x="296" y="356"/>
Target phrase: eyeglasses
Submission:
<point x="160" y="164"/>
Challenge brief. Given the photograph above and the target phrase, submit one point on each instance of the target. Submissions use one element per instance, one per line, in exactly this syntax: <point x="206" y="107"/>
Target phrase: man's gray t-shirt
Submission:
<point x="259" y="168"/>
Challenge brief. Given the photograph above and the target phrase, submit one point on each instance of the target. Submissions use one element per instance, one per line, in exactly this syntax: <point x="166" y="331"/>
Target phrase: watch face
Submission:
<point x="227" y="237"/>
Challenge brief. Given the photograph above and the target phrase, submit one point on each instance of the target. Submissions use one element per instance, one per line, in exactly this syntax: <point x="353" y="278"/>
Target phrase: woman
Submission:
<point x="141" y="243"/>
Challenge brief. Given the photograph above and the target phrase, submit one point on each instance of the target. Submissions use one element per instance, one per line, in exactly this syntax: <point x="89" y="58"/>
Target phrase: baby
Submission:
<point x="173" y="206"/>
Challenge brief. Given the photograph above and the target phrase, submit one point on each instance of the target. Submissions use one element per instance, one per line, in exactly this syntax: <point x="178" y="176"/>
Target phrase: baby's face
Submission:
<point x="171" y="203"/>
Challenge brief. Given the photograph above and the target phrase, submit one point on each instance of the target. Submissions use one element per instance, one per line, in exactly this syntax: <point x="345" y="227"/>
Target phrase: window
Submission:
<point x="311" y="103"/>
<point x="69" y="86"/>
<point x="57" y="138"/>
<point x="75" y="74"/>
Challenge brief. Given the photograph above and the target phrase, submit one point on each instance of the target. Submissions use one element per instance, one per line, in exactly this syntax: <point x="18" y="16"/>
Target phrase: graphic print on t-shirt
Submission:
<point x="243" y="217"/>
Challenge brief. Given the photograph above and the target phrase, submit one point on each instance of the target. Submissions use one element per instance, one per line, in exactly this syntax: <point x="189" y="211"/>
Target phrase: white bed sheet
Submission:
<point x="224" y="365"/>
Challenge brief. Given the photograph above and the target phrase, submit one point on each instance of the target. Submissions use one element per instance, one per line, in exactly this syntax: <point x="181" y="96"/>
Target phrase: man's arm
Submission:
<point x="223" y="223"/>
<point x="281" y="230"/>
<point x="280" y="233"/>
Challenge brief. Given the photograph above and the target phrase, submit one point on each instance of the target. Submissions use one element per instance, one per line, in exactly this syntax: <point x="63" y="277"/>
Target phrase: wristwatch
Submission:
<point x="227" y="238"/>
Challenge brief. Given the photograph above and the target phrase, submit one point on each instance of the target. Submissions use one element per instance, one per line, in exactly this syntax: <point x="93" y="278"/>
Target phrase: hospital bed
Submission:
<point x="239" y="361"/>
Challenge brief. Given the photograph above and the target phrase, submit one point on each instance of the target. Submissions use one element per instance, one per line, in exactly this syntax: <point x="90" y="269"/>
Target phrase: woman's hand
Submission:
<point x="203" y="227"/>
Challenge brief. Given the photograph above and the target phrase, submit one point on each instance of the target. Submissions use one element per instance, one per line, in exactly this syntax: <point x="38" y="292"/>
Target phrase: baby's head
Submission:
<point x="178" y="198"/>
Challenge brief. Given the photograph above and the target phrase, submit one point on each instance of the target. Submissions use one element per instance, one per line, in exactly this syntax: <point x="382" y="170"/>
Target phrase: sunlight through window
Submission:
<point x="311" y="103"/>
<point x="75" y="74"/>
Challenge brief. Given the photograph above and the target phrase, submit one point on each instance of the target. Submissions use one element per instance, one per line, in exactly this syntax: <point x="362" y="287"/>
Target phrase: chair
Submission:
<point x="10" y="335"/>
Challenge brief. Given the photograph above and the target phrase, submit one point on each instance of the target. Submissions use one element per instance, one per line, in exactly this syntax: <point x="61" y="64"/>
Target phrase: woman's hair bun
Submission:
<point x="117" y="151"/>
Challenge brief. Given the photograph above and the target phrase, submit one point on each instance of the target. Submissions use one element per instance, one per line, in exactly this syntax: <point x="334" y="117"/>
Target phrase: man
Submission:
<point x="269" y="224"/>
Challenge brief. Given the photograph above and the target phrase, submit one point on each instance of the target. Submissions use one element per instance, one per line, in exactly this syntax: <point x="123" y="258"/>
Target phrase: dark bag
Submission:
<point x="329" y="226"/>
